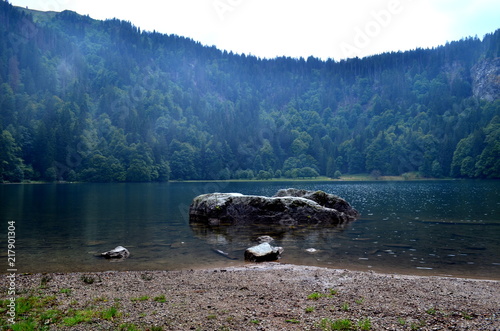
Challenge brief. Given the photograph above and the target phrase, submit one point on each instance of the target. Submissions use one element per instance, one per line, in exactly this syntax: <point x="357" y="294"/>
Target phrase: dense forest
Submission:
<point x="103" y="101"/>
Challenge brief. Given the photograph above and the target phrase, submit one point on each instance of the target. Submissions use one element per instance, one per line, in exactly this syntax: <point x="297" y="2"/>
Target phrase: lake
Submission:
<point x="415" y="227"/>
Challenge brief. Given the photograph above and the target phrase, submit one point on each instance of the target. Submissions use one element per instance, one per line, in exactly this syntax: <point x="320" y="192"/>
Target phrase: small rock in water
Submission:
<point x="265" y="239"/>
<point x="311" y="250"/>
<point x="119" y="252"/>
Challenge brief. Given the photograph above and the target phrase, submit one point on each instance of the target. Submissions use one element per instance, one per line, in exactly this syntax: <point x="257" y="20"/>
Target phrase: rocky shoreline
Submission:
<point x="268" y="296"/>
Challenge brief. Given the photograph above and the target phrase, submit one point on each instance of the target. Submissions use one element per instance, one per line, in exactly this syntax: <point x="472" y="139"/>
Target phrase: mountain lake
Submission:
<point x="441" y="228"/>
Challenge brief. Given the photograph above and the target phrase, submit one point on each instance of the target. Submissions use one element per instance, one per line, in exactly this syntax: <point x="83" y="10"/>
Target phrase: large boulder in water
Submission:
<point x="288" y="207"/>
<point x="324" y="199"/>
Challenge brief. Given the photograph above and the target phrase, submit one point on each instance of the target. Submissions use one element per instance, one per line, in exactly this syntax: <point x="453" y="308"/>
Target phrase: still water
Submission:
<point x="427" y="227"/>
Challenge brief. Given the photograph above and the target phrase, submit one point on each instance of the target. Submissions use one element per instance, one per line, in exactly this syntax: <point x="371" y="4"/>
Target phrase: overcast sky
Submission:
<point x="299" y="28"/>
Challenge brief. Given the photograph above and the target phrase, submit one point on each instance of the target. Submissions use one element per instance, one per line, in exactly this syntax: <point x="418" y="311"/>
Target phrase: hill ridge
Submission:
<point x="90" y="100"/>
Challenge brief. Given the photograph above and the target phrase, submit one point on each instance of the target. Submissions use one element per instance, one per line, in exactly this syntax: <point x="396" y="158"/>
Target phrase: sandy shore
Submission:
<point x="269" y="296"/>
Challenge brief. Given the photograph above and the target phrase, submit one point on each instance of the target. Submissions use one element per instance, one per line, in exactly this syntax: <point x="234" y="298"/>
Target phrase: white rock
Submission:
<point x="263" y="252"/>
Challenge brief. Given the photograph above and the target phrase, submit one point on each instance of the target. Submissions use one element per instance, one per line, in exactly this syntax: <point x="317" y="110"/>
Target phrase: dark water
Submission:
<point x="428" y="227"/>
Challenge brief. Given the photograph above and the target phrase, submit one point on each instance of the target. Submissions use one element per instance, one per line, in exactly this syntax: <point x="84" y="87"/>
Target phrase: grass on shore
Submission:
<point x="42" y="308"/>
<point x="410" y="176"/>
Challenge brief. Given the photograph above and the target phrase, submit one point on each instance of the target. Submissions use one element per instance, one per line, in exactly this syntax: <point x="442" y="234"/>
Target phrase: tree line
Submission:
<point x="103" y="101"/>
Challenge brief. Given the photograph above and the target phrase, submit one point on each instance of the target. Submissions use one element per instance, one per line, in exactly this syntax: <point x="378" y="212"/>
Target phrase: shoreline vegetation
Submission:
<point x="344" y="178"/>
<point x="270" y="296"/>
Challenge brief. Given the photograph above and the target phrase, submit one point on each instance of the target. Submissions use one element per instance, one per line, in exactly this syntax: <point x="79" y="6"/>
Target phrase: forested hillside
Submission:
<point x="102" y="101"/>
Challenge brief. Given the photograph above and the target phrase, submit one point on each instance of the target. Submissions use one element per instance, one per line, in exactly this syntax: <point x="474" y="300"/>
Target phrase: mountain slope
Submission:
<point x="92" y="100"/>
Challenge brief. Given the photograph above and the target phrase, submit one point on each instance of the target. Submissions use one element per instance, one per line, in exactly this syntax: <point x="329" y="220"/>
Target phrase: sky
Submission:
<point x="299" y="28"/>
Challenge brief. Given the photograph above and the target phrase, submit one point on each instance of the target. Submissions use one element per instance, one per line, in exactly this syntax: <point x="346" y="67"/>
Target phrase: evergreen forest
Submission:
<point x="102" y="101"/>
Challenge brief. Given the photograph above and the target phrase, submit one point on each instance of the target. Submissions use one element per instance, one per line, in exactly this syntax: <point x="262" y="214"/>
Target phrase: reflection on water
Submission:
<point x="431" y="227"/>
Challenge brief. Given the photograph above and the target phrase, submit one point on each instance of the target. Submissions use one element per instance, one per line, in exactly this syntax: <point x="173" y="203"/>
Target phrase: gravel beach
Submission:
<point x="268" y="296"/>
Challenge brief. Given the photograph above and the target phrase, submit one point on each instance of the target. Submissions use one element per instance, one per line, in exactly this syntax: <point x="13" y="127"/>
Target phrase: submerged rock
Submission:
<point x="119" y="252"/>
<point x="263" y="252"/>
<point x="287" y="207"/>
<point x="225" y="254"/>
<point x="265" y="239"/>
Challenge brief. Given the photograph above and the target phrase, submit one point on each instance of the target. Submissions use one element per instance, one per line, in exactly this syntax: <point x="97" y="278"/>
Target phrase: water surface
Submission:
<point x="428" y="227"/>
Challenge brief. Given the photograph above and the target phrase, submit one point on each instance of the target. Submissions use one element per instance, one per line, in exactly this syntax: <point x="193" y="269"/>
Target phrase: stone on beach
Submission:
<point x="263" y="252"/>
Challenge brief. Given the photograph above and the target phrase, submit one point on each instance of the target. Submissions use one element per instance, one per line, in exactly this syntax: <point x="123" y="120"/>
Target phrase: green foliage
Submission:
<point x="24" y="305"/>
<point x="11" y="165"/>
<point x="345" y="324"/>
<point x="488" y="162"/>
<point x="431" y="311"/>
<point x="51" y="316"/>
<point x="160" y="298"/>
<point x="66" y="291"/>
<point x="128" y="327"/>
<point x="466" y="315"/>
<point x="25" y="325"/>
<point x="327" y="324"/>
<point x="109" y="113"/>
<point x="103" y="169"/>
<point x="110" y="313"/>
<point x="315" y="296"/>
<point x="310" y="309"/>
<point x="478" y="154"/>
<point x="141" y="298"/>
<point x="364" y="324"/>
<point x="360" y="301"/>
<point x="80" y="316"/>
<point x="47" y="313"/>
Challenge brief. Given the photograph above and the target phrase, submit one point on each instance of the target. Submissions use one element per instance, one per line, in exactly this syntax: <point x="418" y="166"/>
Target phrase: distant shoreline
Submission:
<point x="353" y="178"/>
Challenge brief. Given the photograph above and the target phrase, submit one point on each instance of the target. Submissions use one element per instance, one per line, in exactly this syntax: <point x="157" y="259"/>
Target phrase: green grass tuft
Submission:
<point x="81" y="316"/>
<point x="364" y="324"/>
<point x="65" y="291"/>
<point x="293" y="321"/>
<point x="142" y="298"/>
<point x="110" y="313"/>
<point x="160" y="298"/>
<point x="310" y="309"/>
<point x="315" y="296"/>
<point x="327" y="324"/>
